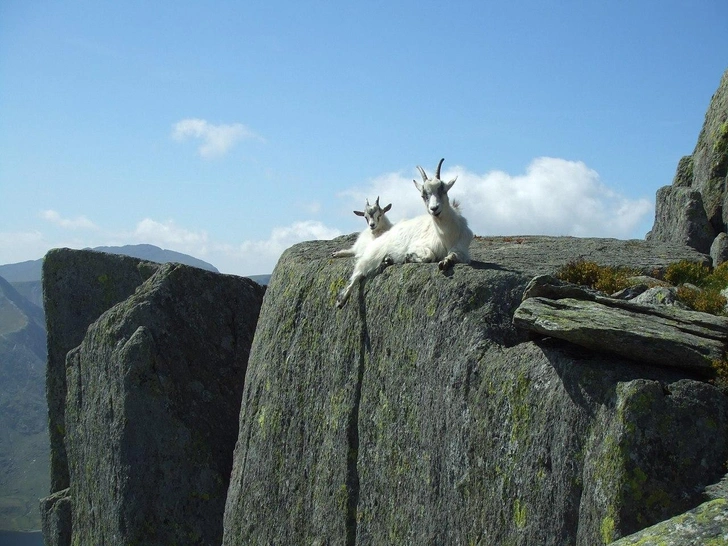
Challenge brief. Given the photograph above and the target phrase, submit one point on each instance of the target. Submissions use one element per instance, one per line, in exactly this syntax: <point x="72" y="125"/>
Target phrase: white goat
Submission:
<point x="441" y="235"/>
<point x="378" y="223"/>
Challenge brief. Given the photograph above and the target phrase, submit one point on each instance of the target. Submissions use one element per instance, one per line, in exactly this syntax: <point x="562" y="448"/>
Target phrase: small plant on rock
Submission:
<point x="721" y="374"/>
<point x="707" y="298"/>
<point x="687" y="272"/>
<point x="705" y="301"/>
<point x="604" y="278"/>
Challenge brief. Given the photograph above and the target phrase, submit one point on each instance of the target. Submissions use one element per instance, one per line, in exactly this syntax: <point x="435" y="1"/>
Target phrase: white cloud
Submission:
<point x="216" y="139"/>
<point x="80" y="222"/>
<point x="262" y="255"/>
<point x="250" y="257"/>
<point x="169" y="235"/>
<point x="553" y="197"/>
<point x="21" y="246"/>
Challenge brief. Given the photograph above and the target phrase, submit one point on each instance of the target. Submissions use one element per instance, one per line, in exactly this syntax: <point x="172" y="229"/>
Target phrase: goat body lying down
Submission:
<point x="442" y="235"/>
<point x="378" y="223"/>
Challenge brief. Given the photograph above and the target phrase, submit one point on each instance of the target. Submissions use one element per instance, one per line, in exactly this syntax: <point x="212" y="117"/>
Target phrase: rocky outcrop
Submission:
<point x="151" y="396"/>
<point x="680" y="215"/>
<point x="705" y="525"/>
<point x="660" y="335"/>
<point x="694" y="209"/>
<point x="77" y="287"/>
<point x="57" y="511"/>
<point x="419" y="414"/>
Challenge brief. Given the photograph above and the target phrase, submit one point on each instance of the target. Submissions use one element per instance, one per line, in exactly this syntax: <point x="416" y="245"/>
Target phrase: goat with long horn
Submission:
<point x="442" y="235"/>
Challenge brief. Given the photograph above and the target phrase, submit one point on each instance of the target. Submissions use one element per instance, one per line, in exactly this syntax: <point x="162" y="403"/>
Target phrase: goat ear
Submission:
<point x="385" y="209"/>
<point x="449" y="185"/>
<point x="358" y="213"/>
<point x="418" y="186"/>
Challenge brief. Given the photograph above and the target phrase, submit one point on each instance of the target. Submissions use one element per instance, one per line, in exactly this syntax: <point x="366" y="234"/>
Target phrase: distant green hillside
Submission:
<point x="24" y="446"/>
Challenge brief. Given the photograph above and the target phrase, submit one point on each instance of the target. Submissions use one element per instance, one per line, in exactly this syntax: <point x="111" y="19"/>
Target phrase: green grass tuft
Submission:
<point x="599" y="277"/>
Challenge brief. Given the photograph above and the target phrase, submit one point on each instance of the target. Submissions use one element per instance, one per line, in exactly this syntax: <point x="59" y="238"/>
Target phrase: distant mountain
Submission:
<point x="24" y="444"/>
<point x="262" y="280"/>
<point x="155" y="254"/>
<point x="31" y="270"/>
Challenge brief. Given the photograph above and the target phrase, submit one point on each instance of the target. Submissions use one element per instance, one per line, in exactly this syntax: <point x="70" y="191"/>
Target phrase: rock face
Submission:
<point x="694" y="209"/>
<point x="77" y="287"/>
<point x="660" y="335"/>
<point x="705" y="525"/>
<point x="419" y="414"/>
<point x="152" y="396"/>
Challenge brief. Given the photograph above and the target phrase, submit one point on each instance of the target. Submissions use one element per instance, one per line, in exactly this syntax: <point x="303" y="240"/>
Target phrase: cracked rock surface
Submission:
<point x="419" y="414"/>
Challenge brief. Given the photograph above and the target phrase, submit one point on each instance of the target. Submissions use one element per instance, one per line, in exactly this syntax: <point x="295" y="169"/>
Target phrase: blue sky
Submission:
<point x="231" y="130"/>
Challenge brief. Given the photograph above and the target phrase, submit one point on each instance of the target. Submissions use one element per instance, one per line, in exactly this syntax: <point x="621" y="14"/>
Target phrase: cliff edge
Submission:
<point x="145" y="399"/>
<point x="419" y="414"/>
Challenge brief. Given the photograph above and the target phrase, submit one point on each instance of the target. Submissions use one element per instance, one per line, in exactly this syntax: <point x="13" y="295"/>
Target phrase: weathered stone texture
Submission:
<point x="664" y="336"/>
<point x="706" y="525"/>
<point x="56" y="512"/>
<point x="719" y="249"/>
<point x="680" y="216"/>
<point x="419" y="414"/>
<point x="152" y="406"/>
<point x="77" y="287"/>
<point x="694" y="209"/>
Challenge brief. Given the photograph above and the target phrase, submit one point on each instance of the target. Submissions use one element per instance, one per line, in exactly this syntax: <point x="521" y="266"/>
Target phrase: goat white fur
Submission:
<point x="378" y="223"/>
<point x="440" y="235"/>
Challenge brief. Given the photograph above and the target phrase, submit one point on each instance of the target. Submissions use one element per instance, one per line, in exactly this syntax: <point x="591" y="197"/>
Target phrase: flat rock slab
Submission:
<point x="662" y="336"/>
<point x="706" y="524"/>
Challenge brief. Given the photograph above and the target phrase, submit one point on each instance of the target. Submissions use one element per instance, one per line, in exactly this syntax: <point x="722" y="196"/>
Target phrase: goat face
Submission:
<point x="434" y="191"/>
<point x="373" y="213"/>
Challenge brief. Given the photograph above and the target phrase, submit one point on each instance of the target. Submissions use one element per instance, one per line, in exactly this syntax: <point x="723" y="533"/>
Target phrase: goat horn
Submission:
<point x="377" y="201"/>
<point x="422" y="172"/>
<point x="437" y="173"/>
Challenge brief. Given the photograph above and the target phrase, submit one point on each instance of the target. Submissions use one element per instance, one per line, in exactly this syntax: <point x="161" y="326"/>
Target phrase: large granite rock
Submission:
<point x="57" y="511"/>
<point x="77" y="287"/>
<point x="706" y="525"/>
<point x="680" y="216"/>
<point x="151" y="397"/>
<point x="419" y="414"/>
<point x="661" y="335"/>
<point x="694" y="209"/>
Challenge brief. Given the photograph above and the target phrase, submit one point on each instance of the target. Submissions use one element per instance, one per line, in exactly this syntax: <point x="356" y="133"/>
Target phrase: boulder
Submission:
<point x="419" y="414"/>
<point x="77" y="287"/>
<point x="664" y="336"/>
<point x="680" y="216"/>
<point x="694" y="208"/>
<point x="719" y="249"/>
<point x="710" y="157"/>
<point x="56" y="510"/>
<point x="153" y="396"/>
<point x="705" y="525"/>
<point x="659" y="295"/>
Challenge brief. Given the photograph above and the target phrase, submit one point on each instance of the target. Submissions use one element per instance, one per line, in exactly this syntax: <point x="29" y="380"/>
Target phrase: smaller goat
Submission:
<point x="442" y="235"/>
<point x="378" y="223"/>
